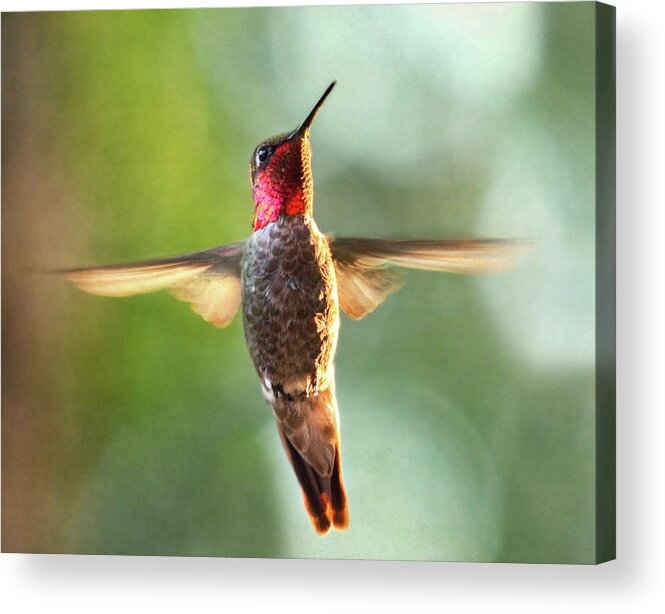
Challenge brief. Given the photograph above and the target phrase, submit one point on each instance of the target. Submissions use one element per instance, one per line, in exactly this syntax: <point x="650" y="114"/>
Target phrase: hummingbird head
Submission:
<point x="281" y="173"/>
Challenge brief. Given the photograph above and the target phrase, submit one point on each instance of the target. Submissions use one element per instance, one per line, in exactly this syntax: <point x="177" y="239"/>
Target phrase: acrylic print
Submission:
<point x="388" y="232"/>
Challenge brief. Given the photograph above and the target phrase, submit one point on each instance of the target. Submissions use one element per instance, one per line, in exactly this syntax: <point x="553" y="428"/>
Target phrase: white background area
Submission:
<point x="633" y="583"/>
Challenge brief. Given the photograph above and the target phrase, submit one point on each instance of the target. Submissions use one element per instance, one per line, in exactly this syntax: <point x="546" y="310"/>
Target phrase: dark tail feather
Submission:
<point x="325" y="498"/>
<point x="313" y="487"/>
<point x="340" y="511"/>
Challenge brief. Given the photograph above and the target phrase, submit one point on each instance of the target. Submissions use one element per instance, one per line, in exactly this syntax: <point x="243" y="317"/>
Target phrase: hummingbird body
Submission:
<point x="291" y="319"/>
<point x="292" y="281"/>
<point x="290" y="306"/>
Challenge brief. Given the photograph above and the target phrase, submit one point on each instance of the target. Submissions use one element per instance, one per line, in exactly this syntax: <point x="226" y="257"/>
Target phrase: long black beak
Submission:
<point x="300" y="130"/>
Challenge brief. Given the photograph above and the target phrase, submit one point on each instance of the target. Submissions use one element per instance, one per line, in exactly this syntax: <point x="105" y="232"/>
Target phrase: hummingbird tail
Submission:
<point x="340" y="509"/>
<point x="324" y="497"/>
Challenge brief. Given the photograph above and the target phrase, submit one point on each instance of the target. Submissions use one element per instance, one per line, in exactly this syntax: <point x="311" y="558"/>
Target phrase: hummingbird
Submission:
<point x="291" y="280"/>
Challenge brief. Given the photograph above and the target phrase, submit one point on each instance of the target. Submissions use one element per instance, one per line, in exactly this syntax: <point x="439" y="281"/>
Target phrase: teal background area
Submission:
<point x="467" y="404"/>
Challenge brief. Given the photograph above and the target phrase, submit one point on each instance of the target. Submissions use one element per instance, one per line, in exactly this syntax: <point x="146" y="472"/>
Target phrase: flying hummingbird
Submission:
<point x="291" y="281"/>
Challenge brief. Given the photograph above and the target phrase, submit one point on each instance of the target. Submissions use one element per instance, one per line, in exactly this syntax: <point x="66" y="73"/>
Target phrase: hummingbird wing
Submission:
<point x="365" y="277"/>
<point x="209" y="280"/>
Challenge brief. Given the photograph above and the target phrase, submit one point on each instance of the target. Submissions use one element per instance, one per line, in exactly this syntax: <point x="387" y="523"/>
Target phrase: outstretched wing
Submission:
<point x="209" y="280"/>
<point x="365" y="277"/>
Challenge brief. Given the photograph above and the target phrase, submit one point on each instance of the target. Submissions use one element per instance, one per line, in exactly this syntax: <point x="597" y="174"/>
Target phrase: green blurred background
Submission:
<point x="467" y="404"/>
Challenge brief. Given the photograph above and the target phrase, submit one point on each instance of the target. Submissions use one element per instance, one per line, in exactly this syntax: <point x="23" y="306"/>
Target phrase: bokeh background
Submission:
<point x="467" y="404"/>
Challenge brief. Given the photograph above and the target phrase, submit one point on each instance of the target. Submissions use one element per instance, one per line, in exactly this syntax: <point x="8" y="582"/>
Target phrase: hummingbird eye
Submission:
<point x="262" y="155"/>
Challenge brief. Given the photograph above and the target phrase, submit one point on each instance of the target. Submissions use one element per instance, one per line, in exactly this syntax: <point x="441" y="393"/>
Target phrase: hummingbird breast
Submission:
<point x="290" y="307"/>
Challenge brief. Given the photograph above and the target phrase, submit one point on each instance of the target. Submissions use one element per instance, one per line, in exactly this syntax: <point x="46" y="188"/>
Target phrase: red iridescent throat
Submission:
<point x="285" y="185"/>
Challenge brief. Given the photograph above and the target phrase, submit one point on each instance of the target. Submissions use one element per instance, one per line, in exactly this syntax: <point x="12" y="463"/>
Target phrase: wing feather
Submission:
<point x="365" y="277"/>
<point x="209" y="280"/>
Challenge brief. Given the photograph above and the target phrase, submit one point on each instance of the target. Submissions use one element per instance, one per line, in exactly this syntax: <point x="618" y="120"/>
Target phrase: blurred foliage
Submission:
<point x="467" y="404"/>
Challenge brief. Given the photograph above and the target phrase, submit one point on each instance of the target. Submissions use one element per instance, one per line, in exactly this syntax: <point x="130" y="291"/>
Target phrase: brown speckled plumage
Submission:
<point x="290" y="307"/>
